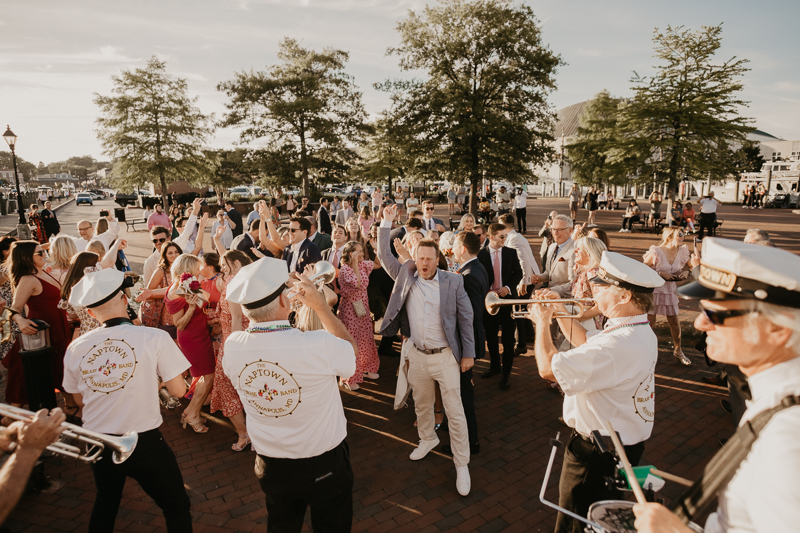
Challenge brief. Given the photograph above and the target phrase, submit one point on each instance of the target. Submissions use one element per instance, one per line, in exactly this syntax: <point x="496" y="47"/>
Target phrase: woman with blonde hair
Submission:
<point x="106" y="230"/>
<point x="467" y="223"/>
<point x="62" y="249"/>
<point x="82" y="263"/>
<point x="588" y="252"/>
<point x="669" y="259"/>
<point x="194" y="338"/>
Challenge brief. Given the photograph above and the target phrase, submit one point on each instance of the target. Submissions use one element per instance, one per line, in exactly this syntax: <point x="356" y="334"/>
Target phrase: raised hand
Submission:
<point x="390" y="212"/>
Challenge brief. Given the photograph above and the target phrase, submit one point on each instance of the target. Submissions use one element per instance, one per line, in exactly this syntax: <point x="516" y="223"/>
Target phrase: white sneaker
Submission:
<point x="422" y="450"/>
<point x="761" y="207"/>
<point x="744" y="207"/>
<point x="463" y="482"/>
<point x="622" y="230"/>
<point x="371" y="375"/>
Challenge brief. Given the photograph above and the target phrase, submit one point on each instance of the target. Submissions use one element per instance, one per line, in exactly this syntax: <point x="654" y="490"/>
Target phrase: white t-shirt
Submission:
<point x="412" y="202"/>
<point x="287" y="383"/>
<point x="611" y="377"/>
<point x="708" y="205"/>
<point x="521" y="200"/>
<point x="115" y="370"/>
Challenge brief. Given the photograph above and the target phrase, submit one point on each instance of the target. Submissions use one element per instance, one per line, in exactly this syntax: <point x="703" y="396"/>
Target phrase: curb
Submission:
<point x="13" y="232"/>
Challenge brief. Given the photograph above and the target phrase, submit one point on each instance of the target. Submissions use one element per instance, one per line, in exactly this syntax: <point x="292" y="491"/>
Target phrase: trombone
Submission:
<point x="96" y="442"/>
<point x="324" y="273"/>
<point x="493" y="303"/>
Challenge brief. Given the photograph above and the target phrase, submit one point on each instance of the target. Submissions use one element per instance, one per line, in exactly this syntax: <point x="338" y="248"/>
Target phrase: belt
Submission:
<point x="431" y="351"/>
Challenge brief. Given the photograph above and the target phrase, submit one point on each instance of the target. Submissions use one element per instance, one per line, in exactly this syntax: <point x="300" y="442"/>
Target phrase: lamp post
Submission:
<point x="561" y="167"/>
<point x="23" y="231"/>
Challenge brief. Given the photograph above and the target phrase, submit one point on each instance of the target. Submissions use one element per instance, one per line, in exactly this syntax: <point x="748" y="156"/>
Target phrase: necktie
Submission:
<point x="430" y="224"/>
<point x="336" y="258"/>
<point x="496" y="268"/>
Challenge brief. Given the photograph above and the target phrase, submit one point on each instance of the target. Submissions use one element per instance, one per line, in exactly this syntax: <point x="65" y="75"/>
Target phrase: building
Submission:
<point x="557" y="179"/>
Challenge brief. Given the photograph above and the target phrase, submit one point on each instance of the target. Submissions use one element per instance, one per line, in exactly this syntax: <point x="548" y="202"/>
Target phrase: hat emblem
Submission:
<point x="715" y="278"/>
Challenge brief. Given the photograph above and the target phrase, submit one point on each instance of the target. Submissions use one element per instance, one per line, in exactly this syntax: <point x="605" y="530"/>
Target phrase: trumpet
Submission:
<point x="324" y="273"/>
<point x="96" y="442"/>
<point x="493" y="303"/>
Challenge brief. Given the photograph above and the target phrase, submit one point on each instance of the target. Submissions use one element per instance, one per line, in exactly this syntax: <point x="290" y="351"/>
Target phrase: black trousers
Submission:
<point x="493" y="324"/>
<point x="324" y="482"/>
<point x="153" y="465"/>
<point x="707" y="221"/>
<point x="522" y="222"/>
<point x="582" y="479"/>
<point x="468" y="401"/>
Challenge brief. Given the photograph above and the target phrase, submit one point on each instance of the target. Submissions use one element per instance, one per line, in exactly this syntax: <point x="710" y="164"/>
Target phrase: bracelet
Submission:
<point x="12" y="311"/>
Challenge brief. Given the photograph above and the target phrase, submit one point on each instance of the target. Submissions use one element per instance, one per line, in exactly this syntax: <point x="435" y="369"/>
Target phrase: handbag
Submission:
<point x="150" y="312"/>
<point x="360" y="308"/>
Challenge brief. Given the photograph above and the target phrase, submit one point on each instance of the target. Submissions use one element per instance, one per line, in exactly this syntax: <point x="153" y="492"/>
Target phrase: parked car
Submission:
<point x="84" y="198"/>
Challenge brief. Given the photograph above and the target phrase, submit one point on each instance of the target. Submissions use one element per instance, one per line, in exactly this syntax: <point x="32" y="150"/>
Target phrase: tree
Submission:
<point x="482" y="111"/>
<point x="152" y="129"/>
<point x="685" y="117"/>
<point x="386" y="154"/>
<point x="307" y="109"/>
<point x="24" y="168"/>
<point x="596" y="136"/>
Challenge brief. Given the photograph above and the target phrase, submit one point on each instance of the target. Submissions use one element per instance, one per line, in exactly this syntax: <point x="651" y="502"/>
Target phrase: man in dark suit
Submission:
<point x="301" y="252"/>
<point x="429" y="222"/>
<point x="480" y="231"/>
<point x="502" y="266"/>
<point x="248" y="241"/>
<point x="324" y="217"/>
<point x="322" y="241"/>
<point x="476" y="283"/>
<point x="51" y="225"/>
<point x="234" y="216"/>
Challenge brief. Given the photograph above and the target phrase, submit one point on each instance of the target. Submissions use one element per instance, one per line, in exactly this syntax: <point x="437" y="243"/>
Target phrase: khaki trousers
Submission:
<point x="443" y="368"/>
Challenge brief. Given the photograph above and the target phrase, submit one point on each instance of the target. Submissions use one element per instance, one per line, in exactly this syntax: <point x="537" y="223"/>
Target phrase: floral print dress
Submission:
<point x="223" y="396"/>
<point x="360" y="327"/>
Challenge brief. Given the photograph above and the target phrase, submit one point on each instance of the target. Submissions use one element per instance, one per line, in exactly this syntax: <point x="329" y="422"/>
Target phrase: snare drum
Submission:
<point x="616" y="516"/>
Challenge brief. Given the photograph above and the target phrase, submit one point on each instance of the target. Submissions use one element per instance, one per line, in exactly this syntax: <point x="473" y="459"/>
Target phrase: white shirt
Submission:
<point x="502" y="198"/>
<point x="763" y="496"/>
<point x="521" y="200"/>
<point x="295" y="254"/>
<point x="227" y="236"/>
<point x="429" y="223"/>
<point x="287" y="383"/>
<point x="424" y="313"/>
<point x="611" y="378"/>
<point x="115" y="370"/>
<point x="151" y="263"/>
<point x="80" y="243"/>
<point x="109" y="236"/>
<point x="521" y="245"/>
<point x="708" y="205"/>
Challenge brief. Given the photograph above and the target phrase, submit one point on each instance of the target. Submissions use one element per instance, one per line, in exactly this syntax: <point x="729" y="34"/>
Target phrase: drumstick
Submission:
<point x="671" y="477"/>
<point x="632" y="481"/>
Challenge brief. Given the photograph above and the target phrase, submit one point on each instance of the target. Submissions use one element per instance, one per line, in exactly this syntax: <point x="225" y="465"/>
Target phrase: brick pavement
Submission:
<point x="392" y="493"/>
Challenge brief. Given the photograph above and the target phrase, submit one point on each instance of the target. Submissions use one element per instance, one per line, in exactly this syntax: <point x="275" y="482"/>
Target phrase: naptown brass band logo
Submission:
<point x="270" y="388"/>
<point x="644" y="399"/>
<point x="717" y="279"/>
<point x="108" y="366"/>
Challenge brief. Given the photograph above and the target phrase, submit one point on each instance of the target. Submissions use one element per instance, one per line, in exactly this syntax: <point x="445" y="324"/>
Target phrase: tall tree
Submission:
<point x="683" y="118"/>
<point x="152" y="129"/>
<point x="482" y="110"/>
<point x="596" y="135"/>
<point x="386" y="154"/>
<point x="307" y="107"/>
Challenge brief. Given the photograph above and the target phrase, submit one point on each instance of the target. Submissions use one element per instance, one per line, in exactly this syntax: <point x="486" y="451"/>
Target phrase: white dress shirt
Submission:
<point x="708" y="205"/>
<point x="295" y="254"/>
<point x="521" y="200"/>
<point x="424" y="314"/>
<point x="80" y="243"/>
<point x="429" y="224"/>
<point x="109" y="235"/>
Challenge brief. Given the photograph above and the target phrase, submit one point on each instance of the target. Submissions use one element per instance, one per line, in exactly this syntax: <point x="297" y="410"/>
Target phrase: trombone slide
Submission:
<point x="493" y="303"/>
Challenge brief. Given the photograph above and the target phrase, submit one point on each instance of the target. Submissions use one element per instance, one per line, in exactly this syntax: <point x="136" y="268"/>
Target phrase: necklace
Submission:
<point x="625" y="325"/>
<point x="268" y="329"/>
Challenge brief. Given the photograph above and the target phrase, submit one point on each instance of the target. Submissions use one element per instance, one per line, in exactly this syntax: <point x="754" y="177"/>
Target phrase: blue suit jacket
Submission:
<point x="308" y="255"/>
<point x="454" y="304"/>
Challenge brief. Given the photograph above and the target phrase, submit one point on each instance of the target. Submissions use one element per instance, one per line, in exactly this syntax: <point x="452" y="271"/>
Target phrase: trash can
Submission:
<point x="119" y="213"/>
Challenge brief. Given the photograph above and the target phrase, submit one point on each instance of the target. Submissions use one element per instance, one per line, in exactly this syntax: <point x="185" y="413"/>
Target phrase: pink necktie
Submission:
<point x="496" y="266"/>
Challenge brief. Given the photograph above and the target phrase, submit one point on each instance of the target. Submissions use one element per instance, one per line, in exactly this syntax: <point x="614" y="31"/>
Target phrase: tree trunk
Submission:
<point x="475" y="178"/>
<point x="304" y="162"/>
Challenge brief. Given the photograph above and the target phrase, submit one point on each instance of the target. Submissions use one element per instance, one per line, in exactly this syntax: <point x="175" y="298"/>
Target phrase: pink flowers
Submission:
<point x="194" y="286"/>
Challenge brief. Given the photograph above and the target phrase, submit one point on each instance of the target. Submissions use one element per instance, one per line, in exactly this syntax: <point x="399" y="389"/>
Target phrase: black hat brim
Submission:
<point x="697" y="291"/>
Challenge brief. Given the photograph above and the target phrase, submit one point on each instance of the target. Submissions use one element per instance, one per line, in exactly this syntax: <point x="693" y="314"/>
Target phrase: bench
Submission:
<point x="132" y="223"/>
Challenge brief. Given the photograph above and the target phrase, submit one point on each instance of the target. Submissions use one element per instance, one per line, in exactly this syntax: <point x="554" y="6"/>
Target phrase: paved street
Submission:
<point x="393" y="493"/>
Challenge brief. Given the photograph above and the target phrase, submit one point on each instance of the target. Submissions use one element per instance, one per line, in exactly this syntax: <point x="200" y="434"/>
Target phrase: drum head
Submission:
<point x="616" y="516"/>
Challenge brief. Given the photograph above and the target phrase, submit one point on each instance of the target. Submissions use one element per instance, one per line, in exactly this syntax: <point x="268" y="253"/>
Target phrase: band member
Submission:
<point x="111" y="369"/>
<point x="608" y="376"/>
<point x="286" y="379"/>
<point x="750" y="302"/>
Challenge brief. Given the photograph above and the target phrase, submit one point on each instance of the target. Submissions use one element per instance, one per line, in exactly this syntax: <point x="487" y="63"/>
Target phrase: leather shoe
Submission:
<point x="726" y="405"/>
<point x="463" y="482"/>
<point x="505" y="383"/>
<point x="715" y="380"/>
<point x="474" y="449"/>
<point x="422" y="450"/>
<point x="519" y="350"/>
<point x="489" y="373"/>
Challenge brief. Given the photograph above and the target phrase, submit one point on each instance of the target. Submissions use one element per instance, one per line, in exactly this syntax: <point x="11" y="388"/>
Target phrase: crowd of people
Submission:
<point x="395" y="269"/>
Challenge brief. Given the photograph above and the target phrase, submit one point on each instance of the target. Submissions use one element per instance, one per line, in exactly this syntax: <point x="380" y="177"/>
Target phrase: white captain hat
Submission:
<point x="257" y="284"/>
<point x="96" y="288"/>
<point x="734" y="270"/>
<point x="622" y="271"/>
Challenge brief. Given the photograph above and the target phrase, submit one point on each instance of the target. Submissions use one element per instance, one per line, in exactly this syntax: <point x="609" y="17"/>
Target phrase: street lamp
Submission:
<point x="11" y="139"/>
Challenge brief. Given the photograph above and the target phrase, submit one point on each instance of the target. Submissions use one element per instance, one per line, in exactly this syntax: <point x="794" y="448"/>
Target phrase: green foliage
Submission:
<point x="596" y="136"/>
<point x="686" y="116"/>
<point x="24" y="168"/>
<point x="748" y="158"/>
<point x="307" y="110"/>
<point x="482" y="109"/>
<point x="152" y="129"/>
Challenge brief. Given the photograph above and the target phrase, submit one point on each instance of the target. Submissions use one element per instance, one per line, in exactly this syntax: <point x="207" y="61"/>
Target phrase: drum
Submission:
<point x="616" y="516"/>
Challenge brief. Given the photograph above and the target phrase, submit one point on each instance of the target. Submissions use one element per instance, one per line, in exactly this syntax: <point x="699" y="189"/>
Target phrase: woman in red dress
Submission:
<point x="194" y="337"/>
<point x="354" y="311"/>
<point x="40" y="293"/>
<point x="36" y="223"/>
<point x="224" y="397"/>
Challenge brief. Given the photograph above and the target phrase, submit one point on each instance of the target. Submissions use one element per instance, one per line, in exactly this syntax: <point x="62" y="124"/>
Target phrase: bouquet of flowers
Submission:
<point x="447" y="252"/>
<point x="188" y="284"/>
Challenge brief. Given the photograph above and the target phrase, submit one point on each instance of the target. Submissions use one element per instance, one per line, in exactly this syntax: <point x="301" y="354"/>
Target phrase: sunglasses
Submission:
<point x="428" y="209"/>
<point x="158" y="241"/>
<point x="718" y="317"/>
<point x="292" y="230"/>
<point x="40" y="253"/>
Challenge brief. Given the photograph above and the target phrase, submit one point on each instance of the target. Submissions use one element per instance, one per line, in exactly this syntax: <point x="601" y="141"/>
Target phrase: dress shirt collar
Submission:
<point x="297" y="246"/>
<point x="434" y="278"/>
<point x="770" y="386"/>
<point x="560" y="246"/>
<point x="311" y="237"/>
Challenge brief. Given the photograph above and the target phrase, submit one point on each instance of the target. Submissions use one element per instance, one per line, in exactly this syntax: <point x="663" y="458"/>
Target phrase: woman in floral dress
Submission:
<point x="223" y="396"/>
<point x="354" y="311"/>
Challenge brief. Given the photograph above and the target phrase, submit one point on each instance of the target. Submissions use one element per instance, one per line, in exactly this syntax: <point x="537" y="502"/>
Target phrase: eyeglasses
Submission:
<point x="718" y="317"/>
<point x="40" y="253"/>
<point x="85" y="229"/>
<point x="158" y="241"/>
<point x="292" y="230"/>
<point x="559" y="229"/>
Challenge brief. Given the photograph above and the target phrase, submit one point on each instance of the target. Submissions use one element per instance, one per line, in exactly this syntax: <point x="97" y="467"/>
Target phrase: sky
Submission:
<point x="56" y="54"/>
